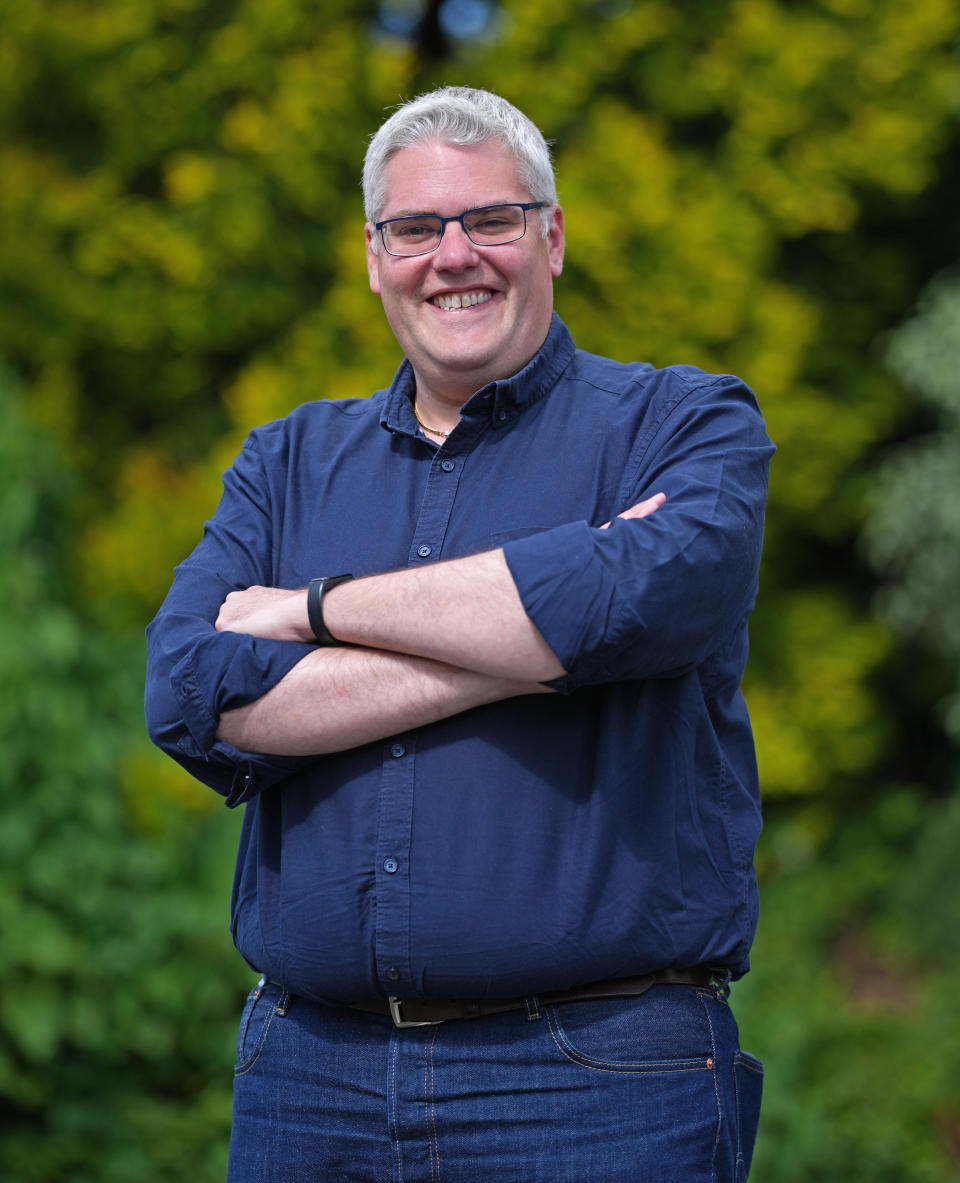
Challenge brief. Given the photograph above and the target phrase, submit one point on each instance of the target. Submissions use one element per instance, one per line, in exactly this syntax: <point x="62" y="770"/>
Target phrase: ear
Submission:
<point x="373" y="258"/>
<point x="555" y="242"/>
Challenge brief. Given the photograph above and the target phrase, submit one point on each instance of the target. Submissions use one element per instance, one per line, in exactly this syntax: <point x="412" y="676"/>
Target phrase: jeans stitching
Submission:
<point x="634" y="1067"/>
<point x="430" y="1114"/>
<point x="244" y="1068"/>
<point x="245" y="1020"/>
<point x="738" y="1166"/>
<point x="395" y="1131"/>
<point x="750" y="1064"/>
<point x="716" y="1082"/>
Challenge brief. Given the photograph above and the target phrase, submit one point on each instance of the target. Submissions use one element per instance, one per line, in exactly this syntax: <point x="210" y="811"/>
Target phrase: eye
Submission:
<point x="413" y="231"/>
<point x="489" y="223"/>
<point x="496" y="222"/>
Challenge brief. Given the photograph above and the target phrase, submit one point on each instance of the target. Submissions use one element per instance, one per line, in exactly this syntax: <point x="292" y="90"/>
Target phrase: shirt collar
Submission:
<point x="503" y="401"/>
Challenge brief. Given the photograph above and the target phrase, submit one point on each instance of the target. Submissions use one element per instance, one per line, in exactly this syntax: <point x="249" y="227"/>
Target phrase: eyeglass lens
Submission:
<point x="489" y="226"/>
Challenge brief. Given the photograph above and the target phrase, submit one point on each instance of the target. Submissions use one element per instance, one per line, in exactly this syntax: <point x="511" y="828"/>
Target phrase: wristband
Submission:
<point x="315" y="593"/>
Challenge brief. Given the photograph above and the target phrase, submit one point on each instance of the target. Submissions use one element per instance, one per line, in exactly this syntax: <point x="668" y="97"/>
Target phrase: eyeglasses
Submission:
<point x="487" y="225"/>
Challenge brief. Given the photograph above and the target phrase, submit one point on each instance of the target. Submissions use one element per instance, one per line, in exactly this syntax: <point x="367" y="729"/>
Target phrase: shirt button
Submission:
<point x="398" y="750"/>
<point x="447" y="465"/>
<point x="393" y="974"/>
<point x="423" y="551"/>
<point x="390" y="865"/>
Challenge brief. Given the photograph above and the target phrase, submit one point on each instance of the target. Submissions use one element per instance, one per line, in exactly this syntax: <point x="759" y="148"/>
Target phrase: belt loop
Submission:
<point x="283" y="1003"/>
<point x="721" y="983"/>
<point x="532" y="1005"/>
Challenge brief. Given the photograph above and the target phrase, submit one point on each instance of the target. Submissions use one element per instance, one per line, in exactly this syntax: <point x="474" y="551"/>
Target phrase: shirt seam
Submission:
<point x="646" y="439"/>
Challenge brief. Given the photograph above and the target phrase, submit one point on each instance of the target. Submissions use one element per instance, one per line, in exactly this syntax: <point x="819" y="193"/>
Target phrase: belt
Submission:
<point x="425" y="1012"/>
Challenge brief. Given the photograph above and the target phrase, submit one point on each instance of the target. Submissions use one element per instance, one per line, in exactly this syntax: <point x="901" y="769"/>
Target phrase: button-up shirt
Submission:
<point x="534" y="843"/>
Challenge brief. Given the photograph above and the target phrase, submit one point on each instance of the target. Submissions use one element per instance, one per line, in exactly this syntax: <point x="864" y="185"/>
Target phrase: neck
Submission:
<point x="437" y="416"/>
<point x="433" y="432"/>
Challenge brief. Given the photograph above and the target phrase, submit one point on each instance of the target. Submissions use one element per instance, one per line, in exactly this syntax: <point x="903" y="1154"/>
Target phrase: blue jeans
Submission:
<point x="653" y="1088"/>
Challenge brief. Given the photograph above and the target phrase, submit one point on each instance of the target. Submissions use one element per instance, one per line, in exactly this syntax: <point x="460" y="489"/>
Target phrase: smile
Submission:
<point x="461" y="299"/>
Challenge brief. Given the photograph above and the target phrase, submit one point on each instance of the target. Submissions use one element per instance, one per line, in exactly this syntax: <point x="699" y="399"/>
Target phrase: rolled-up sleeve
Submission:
<point x="195" y="673"/>
<point x="652" y="597"/>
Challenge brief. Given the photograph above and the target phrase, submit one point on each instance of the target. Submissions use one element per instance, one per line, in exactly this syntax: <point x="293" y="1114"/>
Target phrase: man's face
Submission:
<point x="455" y="351"/>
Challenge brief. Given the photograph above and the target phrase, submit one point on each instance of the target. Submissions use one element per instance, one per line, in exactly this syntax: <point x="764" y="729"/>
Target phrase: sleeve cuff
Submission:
<point x="237" y="776"/>
<point x="561" y="589"/>
<point x="206" y="682"/>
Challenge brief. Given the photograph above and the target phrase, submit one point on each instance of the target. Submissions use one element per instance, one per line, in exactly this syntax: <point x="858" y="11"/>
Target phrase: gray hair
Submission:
<point x="461" y="115"/>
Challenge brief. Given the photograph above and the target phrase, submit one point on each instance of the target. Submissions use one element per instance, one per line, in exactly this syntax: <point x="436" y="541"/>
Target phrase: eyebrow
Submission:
<point x="432" y="213"/>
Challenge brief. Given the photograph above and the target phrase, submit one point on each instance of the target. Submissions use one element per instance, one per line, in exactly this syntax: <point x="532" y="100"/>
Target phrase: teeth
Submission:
<point x="463" y="300"/>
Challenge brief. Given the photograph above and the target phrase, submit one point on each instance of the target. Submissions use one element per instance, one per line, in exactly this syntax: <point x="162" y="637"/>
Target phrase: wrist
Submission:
<point x="317" y="591"/>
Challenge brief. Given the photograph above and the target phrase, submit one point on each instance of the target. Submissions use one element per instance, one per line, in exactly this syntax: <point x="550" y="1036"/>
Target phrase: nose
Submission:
<point x="455" y="251"/>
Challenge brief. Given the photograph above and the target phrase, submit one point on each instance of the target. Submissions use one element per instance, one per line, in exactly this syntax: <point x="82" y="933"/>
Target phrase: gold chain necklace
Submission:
<point x="426" y="426"/>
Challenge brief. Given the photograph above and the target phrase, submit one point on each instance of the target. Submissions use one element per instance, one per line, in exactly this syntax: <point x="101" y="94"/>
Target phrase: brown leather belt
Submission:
<point x="424" y="1012"/>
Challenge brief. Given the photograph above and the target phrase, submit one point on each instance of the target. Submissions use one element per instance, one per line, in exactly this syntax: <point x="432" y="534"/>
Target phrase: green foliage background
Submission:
<point x="764" y="186"/>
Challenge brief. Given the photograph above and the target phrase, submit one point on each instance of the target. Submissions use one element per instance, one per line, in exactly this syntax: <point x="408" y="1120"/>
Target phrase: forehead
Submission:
<point x="434" y="177"/>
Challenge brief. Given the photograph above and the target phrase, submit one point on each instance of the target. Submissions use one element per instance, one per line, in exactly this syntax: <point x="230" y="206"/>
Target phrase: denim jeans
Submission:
<point x="653" y="1088"/>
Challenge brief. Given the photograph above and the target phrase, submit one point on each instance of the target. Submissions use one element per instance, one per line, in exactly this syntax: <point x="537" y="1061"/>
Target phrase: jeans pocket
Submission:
<point x="665" y="1030"/>
<point x="748" y="1079"/>
<point x="264" y="1003"/>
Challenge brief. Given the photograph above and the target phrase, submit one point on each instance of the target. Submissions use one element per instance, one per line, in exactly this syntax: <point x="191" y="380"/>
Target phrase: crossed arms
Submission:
<point x="430" y="643"/>
<point x="249" y="700"/>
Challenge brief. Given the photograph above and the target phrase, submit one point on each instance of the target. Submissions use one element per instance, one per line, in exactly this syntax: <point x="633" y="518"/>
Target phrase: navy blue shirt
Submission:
<point x="534" y="843"/>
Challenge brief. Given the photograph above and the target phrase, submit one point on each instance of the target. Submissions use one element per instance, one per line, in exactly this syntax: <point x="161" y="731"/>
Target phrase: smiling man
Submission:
<point x="464" y="316"/>
<point x="469" y="653"/>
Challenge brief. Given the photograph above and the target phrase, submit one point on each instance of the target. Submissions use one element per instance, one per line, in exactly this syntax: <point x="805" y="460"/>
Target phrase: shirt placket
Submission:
<point x="393" y="868"/>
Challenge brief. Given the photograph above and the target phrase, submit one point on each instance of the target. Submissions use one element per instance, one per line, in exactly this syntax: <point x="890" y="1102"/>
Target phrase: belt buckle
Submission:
<point x="399" y="1021"/>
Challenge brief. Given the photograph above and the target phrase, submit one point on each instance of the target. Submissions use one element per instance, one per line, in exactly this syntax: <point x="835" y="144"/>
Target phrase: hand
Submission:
<point x="273" y="612"/>
<point x="642" y="509"/>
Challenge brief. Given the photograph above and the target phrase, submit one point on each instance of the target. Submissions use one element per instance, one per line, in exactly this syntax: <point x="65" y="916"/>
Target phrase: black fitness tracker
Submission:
<point x="315" y="593"/>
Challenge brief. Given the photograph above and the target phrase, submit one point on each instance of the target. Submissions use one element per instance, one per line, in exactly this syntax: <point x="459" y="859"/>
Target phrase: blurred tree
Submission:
<point x="853" y="1011"/>
<point x="884" y="898"/>
<point x="116" y="1026"/>
<point x="913" y="537"/>
<point x="913" y="532"/>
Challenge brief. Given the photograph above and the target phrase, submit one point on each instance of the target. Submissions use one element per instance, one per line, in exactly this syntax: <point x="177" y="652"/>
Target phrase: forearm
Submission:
<point x="464" y="613"/>
<point x="336" y="699"/>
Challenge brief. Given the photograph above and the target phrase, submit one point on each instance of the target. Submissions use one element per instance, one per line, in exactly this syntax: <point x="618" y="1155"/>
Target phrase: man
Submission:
<point x="469" y="651"/>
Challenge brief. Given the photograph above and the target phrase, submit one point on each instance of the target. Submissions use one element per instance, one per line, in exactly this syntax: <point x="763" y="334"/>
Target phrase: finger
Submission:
<point x="643" y="509"/>
<point x="230" y="611"/>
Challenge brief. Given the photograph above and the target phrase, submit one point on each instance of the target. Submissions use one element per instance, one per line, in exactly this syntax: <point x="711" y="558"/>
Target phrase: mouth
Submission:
<point x="451" y="301"/>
